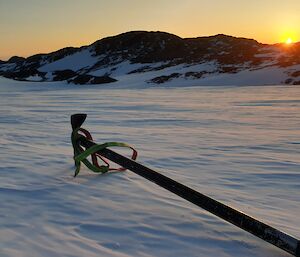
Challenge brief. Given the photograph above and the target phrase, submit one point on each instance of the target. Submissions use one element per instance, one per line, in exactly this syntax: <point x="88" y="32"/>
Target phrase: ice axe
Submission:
<point x="84" y="146"/>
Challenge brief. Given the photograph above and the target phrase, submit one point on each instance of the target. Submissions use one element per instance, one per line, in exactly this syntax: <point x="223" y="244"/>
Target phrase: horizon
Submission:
<point x="34" y="26"/>
<point x="129" y="32"/>
<point x="54" y="50"/>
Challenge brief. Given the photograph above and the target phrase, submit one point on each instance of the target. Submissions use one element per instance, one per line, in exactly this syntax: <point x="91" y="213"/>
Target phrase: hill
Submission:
<point x="163" y="58"/>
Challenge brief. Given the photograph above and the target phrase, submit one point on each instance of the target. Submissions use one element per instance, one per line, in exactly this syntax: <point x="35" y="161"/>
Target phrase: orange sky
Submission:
<point x="33" y="26"/>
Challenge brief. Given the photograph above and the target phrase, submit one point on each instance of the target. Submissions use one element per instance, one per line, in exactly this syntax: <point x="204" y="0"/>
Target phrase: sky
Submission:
<point x="28" y="27"/>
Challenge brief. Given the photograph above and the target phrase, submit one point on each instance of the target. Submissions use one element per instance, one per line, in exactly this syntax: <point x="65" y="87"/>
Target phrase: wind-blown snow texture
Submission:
<point x="240" y="145"/>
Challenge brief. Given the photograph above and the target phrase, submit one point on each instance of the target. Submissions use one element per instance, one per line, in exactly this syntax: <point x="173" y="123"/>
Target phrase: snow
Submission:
<point x="270" y="52"/>
<point x="34" y="78"/>
<point x="49" y="76"/>
<point x="264" y="76"/>
<point x="123" y="68"/>
<point x="75" y="62"/>
<point x="267" y="74"/>
<point x="239" y="145"/>
<point x="7" y="66"/>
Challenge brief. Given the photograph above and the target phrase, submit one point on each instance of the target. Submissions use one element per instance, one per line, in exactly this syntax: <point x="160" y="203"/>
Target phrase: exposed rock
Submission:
<point x="229" y="69"/>
<point x="91" y="80"/>
<point x="163" y="79"/>
<point x="63" y="75"/>
<point x="23" y="74"/>
<point x="16" y="59"/>
<point x="296" y="74"/>
<point x="195" y="75"/>
<point x="149" y="47"/>
<point x="35" y="58"/>
<point x="62" y="53"/>
<point x="142" y="46"/>
<point x="140" y="70"/>
<point x="296" y="82"/>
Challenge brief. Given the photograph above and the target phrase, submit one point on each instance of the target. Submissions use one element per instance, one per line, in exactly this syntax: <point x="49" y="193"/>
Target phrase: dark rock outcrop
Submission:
<point x="63" y="75"/>
<point x="296" y="74"/>
<point x="296" y="82"/>
<point x="59" y="54"/>
<point x="163" y="79"/>
<point x="149" y="47"/>
<point x="195" y="75"/>
<point x="23" y="74"/>
<point x="142" y="46"/>
<point x="16" y="59"/>
<point x="91" y="80"/>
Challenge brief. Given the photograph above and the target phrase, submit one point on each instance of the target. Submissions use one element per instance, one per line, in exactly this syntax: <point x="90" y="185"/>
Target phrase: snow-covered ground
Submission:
<point x="75" y="62"/>
<point x="239" y="145"/>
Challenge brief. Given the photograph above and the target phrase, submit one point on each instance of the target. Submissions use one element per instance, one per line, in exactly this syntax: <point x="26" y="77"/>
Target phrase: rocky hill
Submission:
<point x="162" y="58"/>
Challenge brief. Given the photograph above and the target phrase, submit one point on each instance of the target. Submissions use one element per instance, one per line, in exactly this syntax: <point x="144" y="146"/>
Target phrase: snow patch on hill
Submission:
<point x="82" y="59"/>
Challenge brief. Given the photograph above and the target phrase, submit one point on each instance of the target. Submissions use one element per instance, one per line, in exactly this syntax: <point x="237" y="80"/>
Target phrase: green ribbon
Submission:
<point x="81" y="155"/>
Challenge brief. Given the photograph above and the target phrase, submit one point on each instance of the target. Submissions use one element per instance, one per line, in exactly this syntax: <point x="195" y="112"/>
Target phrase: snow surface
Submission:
<point x="34" y="78"/>
<point x="265" y="76"/>
<point x="239" y="145"/>
<point x="268" y="75"/>
<point x="73" y="62"/>
<point x="7" y="66"/>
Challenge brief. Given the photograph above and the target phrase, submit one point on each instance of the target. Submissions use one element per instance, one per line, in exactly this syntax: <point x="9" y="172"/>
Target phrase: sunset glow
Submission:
<point x="289" y="41"/>
<point x="31" y="28"/>
<point x="288" y="33"/>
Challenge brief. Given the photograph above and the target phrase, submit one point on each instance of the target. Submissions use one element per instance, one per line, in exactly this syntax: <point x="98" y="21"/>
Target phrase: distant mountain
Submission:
<point x="143" y="57"/>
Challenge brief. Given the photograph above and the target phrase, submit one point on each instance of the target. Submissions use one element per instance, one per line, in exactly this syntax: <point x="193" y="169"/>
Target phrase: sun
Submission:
<point x="289" y="41"/>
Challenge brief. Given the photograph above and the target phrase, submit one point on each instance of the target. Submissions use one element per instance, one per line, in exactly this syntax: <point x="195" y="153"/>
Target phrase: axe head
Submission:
<point x="77" y="120"/>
